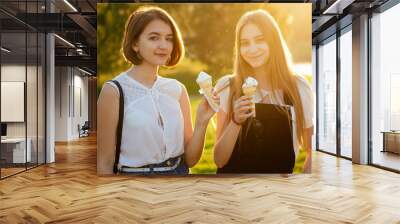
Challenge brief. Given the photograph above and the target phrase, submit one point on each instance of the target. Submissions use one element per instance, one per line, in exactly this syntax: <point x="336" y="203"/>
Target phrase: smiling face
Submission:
<point x="155" y="43"/>
<point x="253" y="48"/>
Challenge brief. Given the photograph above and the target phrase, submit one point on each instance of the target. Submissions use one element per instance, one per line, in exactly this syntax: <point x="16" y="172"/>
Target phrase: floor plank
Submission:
<point x="69" y="191"/>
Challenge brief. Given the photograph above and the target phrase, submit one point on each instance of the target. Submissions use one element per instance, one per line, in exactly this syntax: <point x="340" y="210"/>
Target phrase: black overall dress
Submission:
<point x="265" y="143"/>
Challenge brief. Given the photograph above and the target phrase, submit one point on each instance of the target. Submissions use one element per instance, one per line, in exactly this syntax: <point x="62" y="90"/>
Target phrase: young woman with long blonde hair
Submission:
<point x="283" y="120"/>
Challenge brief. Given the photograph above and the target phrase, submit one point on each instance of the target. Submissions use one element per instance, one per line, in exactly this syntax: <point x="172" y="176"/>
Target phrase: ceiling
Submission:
<point x="73" y="21"/>
<point x="332" y="15"/>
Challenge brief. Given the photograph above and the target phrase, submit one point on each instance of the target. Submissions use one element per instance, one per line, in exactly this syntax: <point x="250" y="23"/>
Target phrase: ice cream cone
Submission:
<point x="249" y="88"/>
<point x="205" y="82"/>
<point x="249" y="91"/>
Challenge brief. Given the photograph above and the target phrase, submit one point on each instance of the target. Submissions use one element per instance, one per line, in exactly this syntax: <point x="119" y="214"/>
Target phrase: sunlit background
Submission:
<point x="208" y="34"/>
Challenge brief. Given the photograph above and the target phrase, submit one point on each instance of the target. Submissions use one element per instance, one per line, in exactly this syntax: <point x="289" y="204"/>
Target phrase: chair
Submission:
<point x="84" y="130"/>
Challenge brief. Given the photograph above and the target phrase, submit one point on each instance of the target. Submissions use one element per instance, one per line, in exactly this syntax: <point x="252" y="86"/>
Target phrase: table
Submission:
<point x="391" y="141"/>
<point x="13" y="150"/>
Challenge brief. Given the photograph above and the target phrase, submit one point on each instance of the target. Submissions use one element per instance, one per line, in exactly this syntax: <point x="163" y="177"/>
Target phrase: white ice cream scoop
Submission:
<point x="250" y="82"/>
<point x="205" y="82"/>
<point x="204" y="79"/>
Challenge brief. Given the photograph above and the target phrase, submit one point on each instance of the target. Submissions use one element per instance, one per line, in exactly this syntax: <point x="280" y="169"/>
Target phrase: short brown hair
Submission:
<point x="135" y="25"/>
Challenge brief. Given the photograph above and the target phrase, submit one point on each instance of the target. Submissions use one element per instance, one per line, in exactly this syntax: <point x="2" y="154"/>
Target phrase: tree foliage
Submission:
<point x="208" y="34"/>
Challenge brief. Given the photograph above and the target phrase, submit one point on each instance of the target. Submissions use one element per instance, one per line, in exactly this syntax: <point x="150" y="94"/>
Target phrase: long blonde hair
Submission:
<point x="278" y="69"/>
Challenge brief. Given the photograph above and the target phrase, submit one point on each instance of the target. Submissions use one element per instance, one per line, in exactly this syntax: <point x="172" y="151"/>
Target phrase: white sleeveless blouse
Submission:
<point x="153" y="122"/>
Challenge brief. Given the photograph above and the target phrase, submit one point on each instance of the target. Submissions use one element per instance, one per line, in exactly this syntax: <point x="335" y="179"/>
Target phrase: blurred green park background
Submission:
<point x="208" y="35"/>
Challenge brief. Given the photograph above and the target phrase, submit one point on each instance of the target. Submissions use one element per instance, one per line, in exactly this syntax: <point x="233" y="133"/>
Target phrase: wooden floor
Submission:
<point x="387" y="159"/>
<point x="5" y="172"/>
<point x="69" y="191"/>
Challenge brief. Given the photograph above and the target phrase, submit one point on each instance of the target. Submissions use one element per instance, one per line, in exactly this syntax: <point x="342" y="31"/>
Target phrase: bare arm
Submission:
<point x="226" y="138"/>
<point x="194" y="140"/>
<point x="307" y="145"/>
<point x="107" y="120"/>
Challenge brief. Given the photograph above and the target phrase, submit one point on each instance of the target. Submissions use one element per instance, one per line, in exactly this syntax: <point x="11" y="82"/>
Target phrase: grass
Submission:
<point x="206" y="163"/>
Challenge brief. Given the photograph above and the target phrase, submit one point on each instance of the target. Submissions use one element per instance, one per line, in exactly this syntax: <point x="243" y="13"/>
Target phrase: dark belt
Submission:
<point x="168" y="165"/>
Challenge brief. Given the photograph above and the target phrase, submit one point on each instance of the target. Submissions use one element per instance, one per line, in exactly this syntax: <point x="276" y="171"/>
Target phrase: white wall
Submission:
<point x="12" y="73"/>
<point x="33" y="127"/>
<point x="71" y="94"/>
<point x="61" y="103"/>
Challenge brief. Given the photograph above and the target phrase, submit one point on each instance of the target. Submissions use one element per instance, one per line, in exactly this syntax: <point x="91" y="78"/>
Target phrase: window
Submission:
<point x="346" y="94"/>
<point x="327" y="96"/>
<point x="385" y="88"/>
<point x="22" y="76"/>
